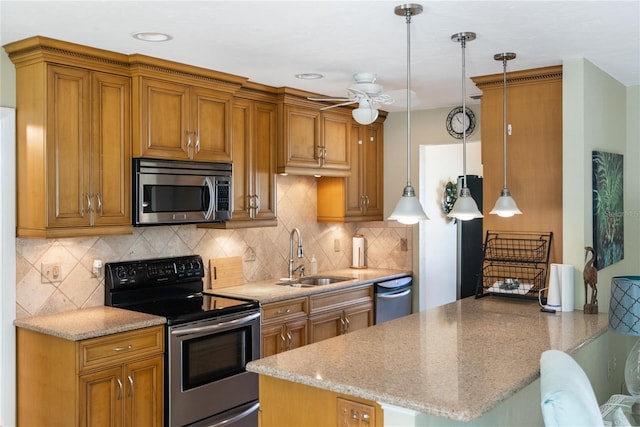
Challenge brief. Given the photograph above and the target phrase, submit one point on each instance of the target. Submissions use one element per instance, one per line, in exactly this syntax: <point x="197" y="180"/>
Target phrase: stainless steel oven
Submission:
<point x="207" y="374"/>
<point x="209" y="340"/>
<point x="180" y="192"/>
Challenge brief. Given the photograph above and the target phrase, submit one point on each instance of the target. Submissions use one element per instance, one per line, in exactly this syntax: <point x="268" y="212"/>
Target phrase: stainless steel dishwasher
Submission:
<point x="393" y="299"/>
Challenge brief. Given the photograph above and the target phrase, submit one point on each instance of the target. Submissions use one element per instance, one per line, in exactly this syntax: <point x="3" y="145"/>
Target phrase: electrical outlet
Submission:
<point x="336" y="245"/>
<point x="250" y="254"/>
<point x="96" y="268"/>
<point x="50" y="272"/>
<point x="403" y="245"/>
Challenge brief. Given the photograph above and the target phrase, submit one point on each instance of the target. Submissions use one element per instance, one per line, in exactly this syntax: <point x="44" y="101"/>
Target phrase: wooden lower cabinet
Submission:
<point x="115" y="380"/>
<point x="284" y="325"/>
<point x="339" y="312"/>
<point x="287" y="404"/>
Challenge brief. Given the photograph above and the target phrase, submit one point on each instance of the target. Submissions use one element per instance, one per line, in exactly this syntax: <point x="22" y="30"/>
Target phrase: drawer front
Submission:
<point x="341" y="298"/>
<point x="121" y="347"/>
<point x="282" y="309"/>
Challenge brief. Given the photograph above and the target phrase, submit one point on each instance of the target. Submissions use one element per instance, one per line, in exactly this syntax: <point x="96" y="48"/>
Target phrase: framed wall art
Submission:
<point x="608" y="207"/>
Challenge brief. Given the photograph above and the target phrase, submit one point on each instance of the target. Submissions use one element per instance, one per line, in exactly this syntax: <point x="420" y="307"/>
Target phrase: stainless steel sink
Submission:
<point x="309" y="281"/>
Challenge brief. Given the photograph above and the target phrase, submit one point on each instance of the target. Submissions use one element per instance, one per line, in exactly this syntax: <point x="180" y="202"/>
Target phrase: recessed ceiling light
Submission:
<point x="309" y="76"/>
<point x="149" y="36"/>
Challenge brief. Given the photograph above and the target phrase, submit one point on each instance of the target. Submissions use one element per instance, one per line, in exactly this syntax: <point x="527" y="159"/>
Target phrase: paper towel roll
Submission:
<point x="554" y="292"/>
<point x="567" y="286"/>
<point x="358" y="252"/>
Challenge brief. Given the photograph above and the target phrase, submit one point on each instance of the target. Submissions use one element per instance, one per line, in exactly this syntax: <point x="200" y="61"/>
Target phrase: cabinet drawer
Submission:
<point x="278" y="310"/>
<point x="341" y="298"/>
<point x="121" y="347"/>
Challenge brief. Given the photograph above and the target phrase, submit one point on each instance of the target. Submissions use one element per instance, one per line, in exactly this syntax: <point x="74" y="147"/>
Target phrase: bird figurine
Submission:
<point x="590" y="277"/>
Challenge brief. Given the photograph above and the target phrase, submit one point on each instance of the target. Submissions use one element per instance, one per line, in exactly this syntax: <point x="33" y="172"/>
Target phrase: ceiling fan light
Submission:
<point x="365" y="116"/>
<point x="465" y="208"/>
<point x="408" y="210"/>
<point x="505" y="205"/>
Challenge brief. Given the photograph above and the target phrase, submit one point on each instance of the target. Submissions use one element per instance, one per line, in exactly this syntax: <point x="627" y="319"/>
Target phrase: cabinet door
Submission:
<point x="335" y="141"/>
<point x="68" y="151"/>
<point x="111" y="149"/>
<point x="273" y="339"/>
<point x="354" y="193"/>
<point x="144" y="393"/>
<point x="358" y="317"/>
<point x="209" y="129"/>
<point x="371" y="173"/>
<point x="241" y="137"/>
<point x="101" y="396"/>
<point x="164" y="118"/>
<point x="302" y="137"/>
<point x="324" y="326"/>
<point x="263" y="161"/>
<point x="296" y="333"/>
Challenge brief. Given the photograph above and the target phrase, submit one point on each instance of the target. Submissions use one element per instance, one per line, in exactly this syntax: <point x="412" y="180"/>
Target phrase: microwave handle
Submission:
<point x="212" y="198"/>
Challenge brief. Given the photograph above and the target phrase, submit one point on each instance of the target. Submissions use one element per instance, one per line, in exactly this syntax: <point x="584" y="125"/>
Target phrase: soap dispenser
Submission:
<point x="314" y="265"/>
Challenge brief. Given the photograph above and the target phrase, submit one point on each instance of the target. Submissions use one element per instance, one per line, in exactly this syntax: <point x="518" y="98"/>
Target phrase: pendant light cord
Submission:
<point x="463" y="43"/>
<point x="504" y="119"/>
<point x="408" y="19"/>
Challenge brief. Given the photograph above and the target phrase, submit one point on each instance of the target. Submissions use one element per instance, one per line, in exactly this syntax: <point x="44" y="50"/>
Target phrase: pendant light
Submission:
<point x="464" y="208"/>
<point x="408" y="210"/>
<point x="505" y="205"/>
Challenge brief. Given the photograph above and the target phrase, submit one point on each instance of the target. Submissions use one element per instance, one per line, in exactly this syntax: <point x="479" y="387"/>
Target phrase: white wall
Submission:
<point x="438" y="237"/>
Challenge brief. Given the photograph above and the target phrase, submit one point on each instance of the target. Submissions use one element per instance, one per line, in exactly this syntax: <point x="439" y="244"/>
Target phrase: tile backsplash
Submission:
<point x="330" y="243"/>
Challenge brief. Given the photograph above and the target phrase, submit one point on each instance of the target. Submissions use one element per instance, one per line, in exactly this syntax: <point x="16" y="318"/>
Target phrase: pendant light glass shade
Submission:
<point x="365" y="114"/>
<point x="464" y="208"/>
<point x="505" y="205"/>
<point x="408" y="210"/>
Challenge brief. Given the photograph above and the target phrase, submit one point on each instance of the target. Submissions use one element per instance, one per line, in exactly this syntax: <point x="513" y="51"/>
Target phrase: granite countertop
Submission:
<point x="90" y="322"/>
<point x="267" y="291"/>
<point x="456" y="361"/>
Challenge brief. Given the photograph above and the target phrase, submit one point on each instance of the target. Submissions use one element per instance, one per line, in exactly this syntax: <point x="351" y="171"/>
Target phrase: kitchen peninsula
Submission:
<point x="456" y="363"/>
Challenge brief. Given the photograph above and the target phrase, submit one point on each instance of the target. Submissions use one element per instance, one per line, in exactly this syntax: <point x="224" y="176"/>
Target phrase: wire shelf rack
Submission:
<point x="514" y="264"/>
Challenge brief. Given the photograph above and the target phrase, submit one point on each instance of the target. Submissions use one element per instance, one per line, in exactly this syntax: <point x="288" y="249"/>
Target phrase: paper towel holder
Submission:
<point x="359" y="252"/>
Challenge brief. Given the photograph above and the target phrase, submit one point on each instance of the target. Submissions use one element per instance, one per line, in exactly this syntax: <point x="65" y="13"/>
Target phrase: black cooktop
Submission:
<point x="168" y="287"/>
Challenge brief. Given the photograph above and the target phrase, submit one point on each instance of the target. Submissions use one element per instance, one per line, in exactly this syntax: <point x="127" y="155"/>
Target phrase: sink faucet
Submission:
<point x="300" y="254"/>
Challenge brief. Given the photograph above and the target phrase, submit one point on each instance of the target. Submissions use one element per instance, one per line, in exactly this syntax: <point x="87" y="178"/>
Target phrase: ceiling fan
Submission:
<point x="367" y="93"/>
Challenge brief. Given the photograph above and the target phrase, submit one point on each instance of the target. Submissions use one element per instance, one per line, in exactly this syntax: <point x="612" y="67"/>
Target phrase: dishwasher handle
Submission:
<point x="394" y="295"/>
<point x="396" y="283"/>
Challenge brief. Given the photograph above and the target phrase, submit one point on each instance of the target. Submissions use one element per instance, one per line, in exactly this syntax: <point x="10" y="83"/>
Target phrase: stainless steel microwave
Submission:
<point x="180" y="192"/>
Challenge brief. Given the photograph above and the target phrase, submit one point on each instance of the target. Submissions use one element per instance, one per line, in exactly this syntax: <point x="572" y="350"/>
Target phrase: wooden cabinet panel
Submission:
<point x="302" y="137"/>
<point x="324" y="326"/>
<point x="69" y="154"/>
<point x="359" y="196"/>
<point x="144" y="393"/>
<point x="183" y="122"/>
<point x="358" y="317"/>
<point x="284" y="326"/>
<point x="336" y="147"/>
<point x="101" y="398"/>
<point x="164" y="124"/>
<point x="55" y="387"/>
<point x="253" y="130"/>
<point x="284" y="309"/>
<point x="111" y="146"/>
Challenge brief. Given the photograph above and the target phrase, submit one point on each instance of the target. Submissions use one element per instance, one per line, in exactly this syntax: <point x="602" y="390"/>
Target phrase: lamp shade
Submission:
<point x="408" y="210"/>
<point x="624" y="308"/>
<point x="364" y="114"/>
<point x="505" y="205"/>
<point x="465" y="208"/>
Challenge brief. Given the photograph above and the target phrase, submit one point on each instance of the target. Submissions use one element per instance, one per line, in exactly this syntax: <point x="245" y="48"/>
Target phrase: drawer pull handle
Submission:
<point x="131" y="384"/>
<point x="129" y="347"/>
<point x="119" y="389"/>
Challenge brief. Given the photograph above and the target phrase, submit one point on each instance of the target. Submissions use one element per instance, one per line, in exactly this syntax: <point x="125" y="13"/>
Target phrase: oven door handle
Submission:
<point x="237" y="417"/>
<point x="212" y="197"/>
<point x="235" y="322"/>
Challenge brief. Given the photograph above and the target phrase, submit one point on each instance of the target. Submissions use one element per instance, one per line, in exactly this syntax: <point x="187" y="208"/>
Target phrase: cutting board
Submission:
<point x="226" y="272"/>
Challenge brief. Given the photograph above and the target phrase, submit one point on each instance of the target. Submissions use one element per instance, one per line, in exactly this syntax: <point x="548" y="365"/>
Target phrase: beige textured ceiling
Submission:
<point x="270" y="42"/>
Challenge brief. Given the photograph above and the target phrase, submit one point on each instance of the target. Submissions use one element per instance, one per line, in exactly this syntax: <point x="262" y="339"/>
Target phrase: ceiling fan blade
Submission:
<point x="330" y="99"/>
<point x="351" y="101"/>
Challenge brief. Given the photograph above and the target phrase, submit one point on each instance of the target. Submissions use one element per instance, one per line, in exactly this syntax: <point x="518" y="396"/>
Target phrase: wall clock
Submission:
<point x="455" y="122"/>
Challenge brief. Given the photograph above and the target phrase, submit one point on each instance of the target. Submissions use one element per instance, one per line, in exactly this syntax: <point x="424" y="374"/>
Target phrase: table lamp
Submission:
<point x="624" y="317"/>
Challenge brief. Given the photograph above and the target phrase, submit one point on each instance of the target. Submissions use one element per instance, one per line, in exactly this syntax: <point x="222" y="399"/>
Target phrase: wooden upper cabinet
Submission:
<point x="254" y="127"/>
<point x="73" y="139"/>
<point x="313" y="142"/>
<point x="360" y="194"/>
<point x="534" y="150"/>
<point x="183" y="122"/>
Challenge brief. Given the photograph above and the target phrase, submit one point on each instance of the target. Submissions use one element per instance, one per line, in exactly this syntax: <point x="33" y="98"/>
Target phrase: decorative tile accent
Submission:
<point x="296" y="208"/>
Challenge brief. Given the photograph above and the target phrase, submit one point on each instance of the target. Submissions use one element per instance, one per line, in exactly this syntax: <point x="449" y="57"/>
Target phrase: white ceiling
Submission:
<point x="271" y="41"/>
